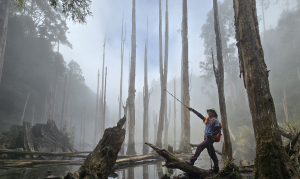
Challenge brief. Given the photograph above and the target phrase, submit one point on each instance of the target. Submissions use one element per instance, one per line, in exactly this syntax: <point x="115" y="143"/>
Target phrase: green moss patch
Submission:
<point x="231" y="171"/>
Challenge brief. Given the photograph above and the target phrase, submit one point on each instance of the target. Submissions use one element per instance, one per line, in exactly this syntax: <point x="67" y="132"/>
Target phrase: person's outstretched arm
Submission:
<point x="197" y="113"/>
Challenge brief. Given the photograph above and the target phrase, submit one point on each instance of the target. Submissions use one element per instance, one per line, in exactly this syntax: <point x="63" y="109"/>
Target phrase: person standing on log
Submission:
<point x="211" y="134"/>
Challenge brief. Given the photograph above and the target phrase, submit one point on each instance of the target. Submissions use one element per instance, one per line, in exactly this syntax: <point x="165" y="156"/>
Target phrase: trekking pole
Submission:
<point x="176" y="98"/>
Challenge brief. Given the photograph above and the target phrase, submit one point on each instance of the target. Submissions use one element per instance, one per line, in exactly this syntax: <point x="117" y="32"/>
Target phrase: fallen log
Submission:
<point x="30" y="163"/>
<point x="290" y="146"/>
<point x="100" y="162"/>
<point x="285" y="133"/>
<point x="174" y="162"/>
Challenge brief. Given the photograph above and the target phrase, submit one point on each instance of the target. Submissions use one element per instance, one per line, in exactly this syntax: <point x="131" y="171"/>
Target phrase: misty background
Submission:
<point x="30" y="68"/>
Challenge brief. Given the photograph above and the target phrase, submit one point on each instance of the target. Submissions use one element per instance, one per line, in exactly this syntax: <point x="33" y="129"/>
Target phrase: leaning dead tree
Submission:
<point x="163" y="70"/>
<point x="131" y="91"/>
<point x="185" y="80"/>
<point x="219" y="75"/>
<point x="146" y="100"/>
<point x="269" y="148"/>
<point x="100" y="162"/>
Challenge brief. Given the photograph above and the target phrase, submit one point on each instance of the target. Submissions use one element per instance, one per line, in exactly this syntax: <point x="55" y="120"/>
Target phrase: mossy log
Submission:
<point x="100" y="162"/>
<point x="174" y="162"/>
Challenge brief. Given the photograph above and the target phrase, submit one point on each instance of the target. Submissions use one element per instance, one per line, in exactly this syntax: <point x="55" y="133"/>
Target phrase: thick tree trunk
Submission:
<point x="146" y="101"/>
<point x="3" y="36"/>
<point x="131" y="91"/>
<point x="96" y="115"/>
<point x="269" y="147"/>
<point x="100" y="162"/>
<point x="219" y="74"/>
<point x="185" y="79"/>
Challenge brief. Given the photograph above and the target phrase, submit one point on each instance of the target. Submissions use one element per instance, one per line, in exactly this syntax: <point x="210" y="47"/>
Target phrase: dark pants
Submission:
<point x="207" y="143"/>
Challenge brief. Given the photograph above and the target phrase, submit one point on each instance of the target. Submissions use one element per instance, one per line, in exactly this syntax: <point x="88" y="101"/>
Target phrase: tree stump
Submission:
<point x="100" y="162"/>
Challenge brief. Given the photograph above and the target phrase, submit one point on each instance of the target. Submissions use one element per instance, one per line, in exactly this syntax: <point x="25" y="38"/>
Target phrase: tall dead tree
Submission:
<point x="63" y="104"/>
<point x="174" y="145"/>
<point x="3" y="36"/>
<point x="121" y="79"/>
<point x="155" y="125"/>
<point x="96" y="115"/>
<point x="185" y="79"/>
<point x="84" y="122"/>
<point x="68" y="118"/>
<point x="166" y="130"/>
<point x="285" y="106"/>
<point x="219" y="75"/>
<point x="104" y="99"/>
<point x="163" y="70"/>
<point x="146" y="100"/>
<point x="131" y="91"/>
<point x="269" y="148"/>
<point x="24" y="110"/>
<point x="101" y="103"/>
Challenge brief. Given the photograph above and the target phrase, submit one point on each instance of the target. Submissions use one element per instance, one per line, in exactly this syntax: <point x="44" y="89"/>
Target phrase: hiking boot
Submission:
<point x="214" y="169"/>
<point x="189" y="162"/>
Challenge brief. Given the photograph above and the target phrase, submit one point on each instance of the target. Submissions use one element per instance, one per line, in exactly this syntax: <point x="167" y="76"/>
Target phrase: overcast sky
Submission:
<point x="87" y="40"/>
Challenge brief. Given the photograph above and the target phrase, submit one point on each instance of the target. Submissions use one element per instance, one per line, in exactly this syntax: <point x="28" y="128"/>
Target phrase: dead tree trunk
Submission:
<point x="84" y="122"/>
<point x="101" y="103"/>
<point x="167" y="122"/>
<point x="174" y="146"/>
<point x="24" y="110"/>
<point x="121" y="79"/>
<point x="285" y="106"/>
<point x="3" y="36"/>
<point x="219" y="74"/>
<point x="155" y="125"/>
<point x="68" y="97"/>
<point x="163" y="75"/>
<point x="96" y="115"/>
<point x="185" y="79"/>
<point x="63" y="104"/>
<point x="269" y="147"/>
<point x="100" y="162"/>
<point x="163" y="96"/>
<point x="131" y="91"/>
<point x="146" y="100"/>
<point x="104" y="100"/>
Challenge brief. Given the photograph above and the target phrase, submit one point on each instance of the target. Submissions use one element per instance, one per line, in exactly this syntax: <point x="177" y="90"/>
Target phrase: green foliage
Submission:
<point x="77" y="10"/>
<point x="230" y="171"/>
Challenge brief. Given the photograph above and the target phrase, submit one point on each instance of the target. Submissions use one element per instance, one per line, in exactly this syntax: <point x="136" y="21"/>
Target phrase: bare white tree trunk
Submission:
<point x="285" y="106"/>
<point x="146" y="100"/>
<point x="24" y="110"/>
<point x="185" y="79"/>
<point x="101" y="102"/>
<point x="174" y="146"/>
<point x="104" y="100"/>
<point x="131" y="91"/>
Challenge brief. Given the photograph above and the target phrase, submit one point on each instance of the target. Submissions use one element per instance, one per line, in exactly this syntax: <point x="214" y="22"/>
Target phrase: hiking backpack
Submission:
<point x="217" y="136"/>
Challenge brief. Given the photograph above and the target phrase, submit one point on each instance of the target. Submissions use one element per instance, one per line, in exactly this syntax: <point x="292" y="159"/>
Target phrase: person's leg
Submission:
<point x="212" y="153"/>
<point x="199" y="149"/>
